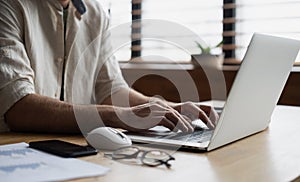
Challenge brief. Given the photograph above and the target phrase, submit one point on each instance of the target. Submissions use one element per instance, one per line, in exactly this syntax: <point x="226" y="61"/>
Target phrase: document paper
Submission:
<point x="20" y="163"/>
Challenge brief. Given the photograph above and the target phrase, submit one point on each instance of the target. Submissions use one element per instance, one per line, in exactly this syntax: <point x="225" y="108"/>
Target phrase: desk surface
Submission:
<point x="272" y="155"/>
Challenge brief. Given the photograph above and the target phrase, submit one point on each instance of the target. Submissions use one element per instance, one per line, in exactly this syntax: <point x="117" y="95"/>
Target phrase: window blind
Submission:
<point x="120" y="26"/>
<point x="202" y="21"/>
<point x="198" y="17"/>
<point x="136" y="28"/>
<point x="229" y="31"/>
<point x="233" y="21"/>
<point x="275" y="17"/>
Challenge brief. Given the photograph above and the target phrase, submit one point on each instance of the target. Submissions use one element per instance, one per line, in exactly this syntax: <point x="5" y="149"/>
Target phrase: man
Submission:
<point x="55" y="70"/>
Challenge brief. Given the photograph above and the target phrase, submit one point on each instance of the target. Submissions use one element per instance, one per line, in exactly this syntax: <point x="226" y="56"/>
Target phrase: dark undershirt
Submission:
<point x="65" y="17"/>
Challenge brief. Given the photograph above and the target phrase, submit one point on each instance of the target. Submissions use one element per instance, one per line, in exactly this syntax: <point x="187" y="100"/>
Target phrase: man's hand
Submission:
<point x="195" y="110"/>
<point x="146" y="116"/>
<point x="192" y="111"/>
<point x="145" y="112"/>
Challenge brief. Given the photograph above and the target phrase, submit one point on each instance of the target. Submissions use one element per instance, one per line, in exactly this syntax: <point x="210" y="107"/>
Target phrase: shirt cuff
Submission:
<point x="12" y="93"/>
<point x="110" y="89"/>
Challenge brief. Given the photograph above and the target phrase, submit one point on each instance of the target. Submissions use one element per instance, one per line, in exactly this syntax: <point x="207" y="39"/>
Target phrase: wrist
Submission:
<point x="163" y="102"/>
<point x="109" y="116"/>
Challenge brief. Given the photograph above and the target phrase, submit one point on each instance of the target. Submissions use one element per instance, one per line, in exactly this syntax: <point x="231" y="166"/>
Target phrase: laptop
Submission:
<point x="250" y="103"/>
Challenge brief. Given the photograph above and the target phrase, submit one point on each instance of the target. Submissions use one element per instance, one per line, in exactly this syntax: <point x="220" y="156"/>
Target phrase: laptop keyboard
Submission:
<point x="197" y="136"/>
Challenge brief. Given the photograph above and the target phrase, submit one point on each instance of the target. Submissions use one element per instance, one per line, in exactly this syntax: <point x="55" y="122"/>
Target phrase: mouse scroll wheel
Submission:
<point x="121" y="135"/>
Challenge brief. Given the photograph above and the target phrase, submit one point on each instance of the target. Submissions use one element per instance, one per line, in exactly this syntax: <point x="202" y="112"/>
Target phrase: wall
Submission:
<point x="193" y="84"/>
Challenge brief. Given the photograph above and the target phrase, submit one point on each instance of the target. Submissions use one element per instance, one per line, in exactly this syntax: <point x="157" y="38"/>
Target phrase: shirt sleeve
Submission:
<point x="110" y="77"/>
<point x="16" y="75"/>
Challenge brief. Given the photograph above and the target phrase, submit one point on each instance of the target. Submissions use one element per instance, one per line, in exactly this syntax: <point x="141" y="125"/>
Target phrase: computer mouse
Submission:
<point x="106" y="138"/>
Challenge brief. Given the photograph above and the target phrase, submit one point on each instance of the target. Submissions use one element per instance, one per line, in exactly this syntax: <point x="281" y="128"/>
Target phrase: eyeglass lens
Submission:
<point x="156" y="157"/>
<point x="126" y="153"/>
<point x="150" y="158"/>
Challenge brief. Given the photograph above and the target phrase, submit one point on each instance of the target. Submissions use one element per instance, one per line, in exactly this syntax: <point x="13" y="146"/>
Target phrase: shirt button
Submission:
<point x="60" y="60"/>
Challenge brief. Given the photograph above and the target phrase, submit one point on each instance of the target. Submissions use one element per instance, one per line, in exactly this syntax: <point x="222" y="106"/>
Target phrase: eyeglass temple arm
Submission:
<point x="168" y="165"/>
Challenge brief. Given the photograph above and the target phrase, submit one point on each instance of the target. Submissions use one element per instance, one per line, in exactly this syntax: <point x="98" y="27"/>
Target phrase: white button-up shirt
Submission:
<point x="32" y="53"/>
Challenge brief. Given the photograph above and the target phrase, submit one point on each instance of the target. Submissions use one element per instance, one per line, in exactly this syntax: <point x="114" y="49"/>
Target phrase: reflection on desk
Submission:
<point x="272" y="155"/>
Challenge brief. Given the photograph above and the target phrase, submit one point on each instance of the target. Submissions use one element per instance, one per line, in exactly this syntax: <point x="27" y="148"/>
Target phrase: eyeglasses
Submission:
<point x="151" y="158"/>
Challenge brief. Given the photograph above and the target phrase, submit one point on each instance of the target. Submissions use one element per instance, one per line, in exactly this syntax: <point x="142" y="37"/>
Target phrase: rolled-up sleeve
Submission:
<point x="110" y="78"/>
<point x="16" y="75"/>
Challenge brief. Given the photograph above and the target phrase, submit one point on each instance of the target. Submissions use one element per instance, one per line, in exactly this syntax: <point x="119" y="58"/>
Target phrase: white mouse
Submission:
<point x="106" y="138"/>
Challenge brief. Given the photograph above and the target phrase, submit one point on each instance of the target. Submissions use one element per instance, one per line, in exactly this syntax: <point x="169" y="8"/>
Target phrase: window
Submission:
<point x="188" y="19"/>
<point x="234" y="21"/>
<point x="276" y="17"/>
<point x="196" y="16"/>
<point x="120" y="26"/>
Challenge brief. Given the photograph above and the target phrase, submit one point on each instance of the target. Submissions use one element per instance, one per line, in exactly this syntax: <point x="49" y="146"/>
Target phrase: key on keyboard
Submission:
<point x="197" y="136"/>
